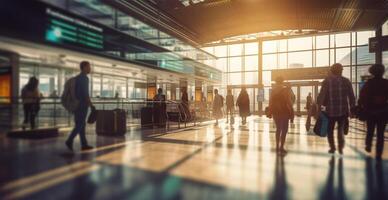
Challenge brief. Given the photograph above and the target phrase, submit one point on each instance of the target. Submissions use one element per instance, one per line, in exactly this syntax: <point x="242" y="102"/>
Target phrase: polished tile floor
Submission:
<point x="204" y="162"/>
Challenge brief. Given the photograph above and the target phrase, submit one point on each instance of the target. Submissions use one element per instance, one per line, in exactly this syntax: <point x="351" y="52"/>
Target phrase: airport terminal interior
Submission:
<point x="161" y="74"/>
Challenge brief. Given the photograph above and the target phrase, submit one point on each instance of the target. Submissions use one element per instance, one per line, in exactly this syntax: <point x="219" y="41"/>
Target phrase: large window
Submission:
<point x="239" y="62"/>
<point x="350" y="49"/>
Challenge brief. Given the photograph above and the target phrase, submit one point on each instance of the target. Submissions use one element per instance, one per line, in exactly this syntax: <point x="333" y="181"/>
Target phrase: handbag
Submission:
<point x="322" y="125"/>
<point x="92" y="116"/>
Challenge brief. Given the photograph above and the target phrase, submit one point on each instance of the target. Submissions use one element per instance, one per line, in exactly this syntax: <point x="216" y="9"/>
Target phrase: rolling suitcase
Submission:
<point x="111" y="122"/>
<point x="146" y="115"/>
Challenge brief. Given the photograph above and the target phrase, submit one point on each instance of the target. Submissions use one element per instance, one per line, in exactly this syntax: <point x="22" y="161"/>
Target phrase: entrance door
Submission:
<point x="301" y="91"/>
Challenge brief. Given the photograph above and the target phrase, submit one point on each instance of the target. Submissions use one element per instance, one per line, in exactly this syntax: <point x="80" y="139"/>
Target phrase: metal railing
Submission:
<point x="52" y="113"/>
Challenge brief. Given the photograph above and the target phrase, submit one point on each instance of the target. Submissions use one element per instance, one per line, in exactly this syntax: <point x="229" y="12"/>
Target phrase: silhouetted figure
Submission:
<point x="218" y="103"/>
<point x="374" y="103"/>
<point x="280" y="107"/>
<point x="229" y="106"/>
<point x="160" y="108"/>
<point x="309" y="102"/>
<point x="243" y="105"/>
<point x="336" y="96"/>
<point x="185" y="103"/>
<point x="80" y="114"/>
<point x="117" y="95"/>
<point x="31" y="101"/>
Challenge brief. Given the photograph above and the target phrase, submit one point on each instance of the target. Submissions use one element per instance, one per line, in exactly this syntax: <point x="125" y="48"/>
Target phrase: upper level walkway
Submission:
<point x="203" y="162"/>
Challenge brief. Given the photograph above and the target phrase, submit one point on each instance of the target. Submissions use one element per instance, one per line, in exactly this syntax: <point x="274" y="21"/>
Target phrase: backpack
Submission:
<point x="68" y="98"/>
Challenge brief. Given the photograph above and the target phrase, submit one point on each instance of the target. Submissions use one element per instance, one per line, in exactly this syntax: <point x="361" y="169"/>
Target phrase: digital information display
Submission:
<point x="63" y="29"/>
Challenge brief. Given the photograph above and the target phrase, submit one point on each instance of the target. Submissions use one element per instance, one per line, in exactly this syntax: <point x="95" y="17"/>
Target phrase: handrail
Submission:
<point x="53" y="114"/>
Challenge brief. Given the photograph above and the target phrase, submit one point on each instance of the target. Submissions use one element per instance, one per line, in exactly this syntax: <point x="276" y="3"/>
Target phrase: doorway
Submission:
<point x="301" y="90"/>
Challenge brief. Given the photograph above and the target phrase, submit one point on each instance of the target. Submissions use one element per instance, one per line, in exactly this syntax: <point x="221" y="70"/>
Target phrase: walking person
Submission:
<point x="336" y="96"/>
<point x="160" y="109"/>
<point x="243" y="105"/>
<point x="185" y="104"/>
<point x="309" y="102"/>
<point x="230" y="106"/>
<point x="218" y="104"/>
<point x="374" y="103"/>
<point x="280" y="107"/>
<point x="84" y="102"/>
<point x="31" y="97"/>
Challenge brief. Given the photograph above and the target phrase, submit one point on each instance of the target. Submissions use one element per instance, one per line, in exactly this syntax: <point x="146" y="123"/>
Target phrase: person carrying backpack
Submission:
<point x="280" y="107"/>
<point x="76" y="100"/>
<point x="374" y="104"/>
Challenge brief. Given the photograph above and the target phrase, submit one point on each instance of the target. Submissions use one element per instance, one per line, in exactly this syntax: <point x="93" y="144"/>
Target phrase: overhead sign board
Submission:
<point x="64" y="29"/>
<point x="301" y="73"/>
<point x="374" y="43"/>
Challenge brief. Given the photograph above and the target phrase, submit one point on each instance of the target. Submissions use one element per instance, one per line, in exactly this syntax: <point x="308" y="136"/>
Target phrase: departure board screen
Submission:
<point x="64" y="29"/>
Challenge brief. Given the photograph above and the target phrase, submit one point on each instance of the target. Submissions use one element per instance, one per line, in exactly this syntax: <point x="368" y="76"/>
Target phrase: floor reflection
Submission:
<point x="208" y="162"/>
<point x="280" y="188"/>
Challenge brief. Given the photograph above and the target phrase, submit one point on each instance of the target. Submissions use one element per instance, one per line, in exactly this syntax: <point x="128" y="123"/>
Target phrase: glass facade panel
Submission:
<point x="235" y="78"/>
<point x="251" y="63"/>
<point x="363" y="37"/>
<point x="48" y="81"/>
<point x="220" y="51"/>
<point x="235" y="64"/>
<point x="251" y="77"/>
<point x="282" y="45"/>
<point x="269" y="46"/>
<point x="343" y="56"/>
<point x="322" y="58"/>
<point x="342" y="40"/>
<point x="222" y="64"/>
<point x="322" y="41"/>
<point x="251" y="48"/>
<point x="300" y="59"/>
<point x="235" y="49"/>
<point x="267" y="78"/>
<point x="297" y="44"/>
<point x="364" y="57"/>
<point x="282" y="60"/>
<point x="96" y="85"/>
<point x="269" y="61"/>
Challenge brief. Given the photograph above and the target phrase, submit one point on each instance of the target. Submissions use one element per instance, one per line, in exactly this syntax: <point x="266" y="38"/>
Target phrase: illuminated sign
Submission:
<point x="63" y="29"/>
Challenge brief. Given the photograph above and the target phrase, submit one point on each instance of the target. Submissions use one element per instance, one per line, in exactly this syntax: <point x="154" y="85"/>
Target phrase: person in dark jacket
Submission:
<point x="185" y="104"/>
<point x="337" y="96"/>
<point x="31" y="99"/>
<point x="160" y="109"/>
<point x="374" y="102"/>
<point x="243" y="105"/>
<point x="280" y="107"/>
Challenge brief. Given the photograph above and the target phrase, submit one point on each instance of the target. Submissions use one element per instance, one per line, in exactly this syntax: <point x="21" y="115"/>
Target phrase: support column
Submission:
<point x="15" y="85"/>
<point x="379" y="52"/>
<point x="260" y="75"/>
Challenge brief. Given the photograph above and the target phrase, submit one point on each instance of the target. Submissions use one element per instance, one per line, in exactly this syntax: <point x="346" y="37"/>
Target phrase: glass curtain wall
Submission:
<point x="239" y="64"/>
<point x="350" y="49"/>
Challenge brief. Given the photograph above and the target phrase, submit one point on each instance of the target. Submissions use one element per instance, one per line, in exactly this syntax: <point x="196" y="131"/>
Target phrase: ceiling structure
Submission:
<point x="203" y="21"/>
